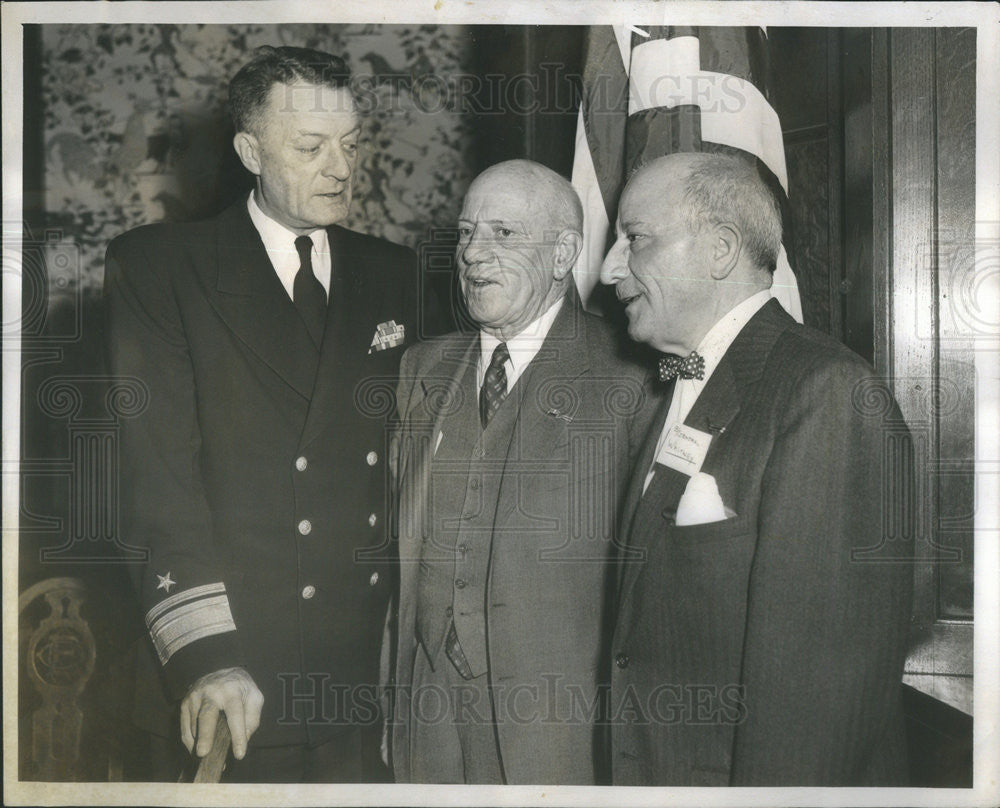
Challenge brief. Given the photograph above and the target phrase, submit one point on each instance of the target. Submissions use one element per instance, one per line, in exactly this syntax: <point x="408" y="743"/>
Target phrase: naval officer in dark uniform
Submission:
<point x="255" y="477"/>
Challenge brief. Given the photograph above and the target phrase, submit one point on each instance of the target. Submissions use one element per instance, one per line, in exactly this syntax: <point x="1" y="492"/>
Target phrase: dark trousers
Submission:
<point x="350" y="757"/>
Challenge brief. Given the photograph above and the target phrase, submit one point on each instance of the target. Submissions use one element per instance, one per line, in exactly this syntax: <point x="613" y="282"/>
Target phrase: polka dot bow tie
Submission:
<point x="690" y="367"/>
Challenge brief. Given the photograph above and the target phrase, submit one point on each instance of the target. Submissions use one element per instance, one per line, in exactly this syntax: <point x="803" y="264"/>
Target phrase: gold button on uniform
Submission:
<point x="305" y="527"/>
<point x="372" y="519"/>
<point x="301" y="463"/>
<point x="308" y="591"/>
<point x="371" y="458"/>
<point x="373" y="580"/>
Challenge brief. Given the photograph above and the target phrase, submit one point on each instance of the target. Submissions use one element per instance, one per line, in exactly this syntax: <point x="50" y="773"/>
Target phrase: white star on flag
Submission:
<point x="165" y="582"/>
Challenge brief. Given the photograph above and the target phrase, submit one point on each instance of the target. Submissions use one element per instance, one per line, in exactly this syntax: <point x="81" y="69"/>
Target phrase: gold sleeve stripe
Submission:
<point x="188" y="622"/>
<point x="183" y="596"/>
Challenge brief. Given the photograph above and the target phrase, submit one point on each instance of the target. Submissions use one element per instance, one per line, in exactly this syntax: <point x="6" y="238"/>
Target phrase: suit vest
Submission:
<point x="466" y="474"/>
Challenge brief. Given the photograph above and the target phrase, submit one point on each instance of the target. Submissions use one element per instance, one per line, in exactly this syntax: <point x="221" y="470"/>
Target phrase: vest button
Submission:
<point x="372" y="519"/>
<point x="474" y="485"/>
<point x="308" y="592"/>
<point x="449" y="611"/>
<point x="460" y="583"/>
<point x="479" y="451"/>
<point x="373" y="580"/>
<point x="622" y="661"/>
<point x="301" y="463"/>
<point x="371" y="458"/>
<point x="305" y="527"/>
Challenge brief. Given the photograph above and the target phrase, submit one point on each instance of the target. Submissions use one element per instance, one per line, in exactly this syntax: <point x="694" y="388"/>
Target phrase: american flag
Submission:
<point x="652" y="91"/>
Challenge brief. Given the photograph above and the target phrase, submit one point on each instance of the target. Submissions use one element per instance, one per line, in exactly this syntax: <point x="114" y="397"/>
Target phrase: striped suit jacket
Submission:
<point x="768" y="648"/>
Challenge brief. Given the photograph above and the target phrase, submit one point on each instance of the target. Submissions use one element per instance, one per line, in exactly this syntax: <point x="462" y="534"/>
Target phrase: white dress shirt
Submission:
<point x="522" y="348"/>
<point x="712" y="348"/>
<point x="279" y="242"/>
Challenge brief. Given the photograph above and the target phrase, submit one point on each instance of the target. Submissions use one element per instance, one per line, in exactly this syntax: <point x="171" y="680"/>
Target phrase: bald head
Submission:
<point x="520" y="232"/>
<point x="721" y="188"/>
<point x="696" y="235"/>
<point x="546" y="193"/>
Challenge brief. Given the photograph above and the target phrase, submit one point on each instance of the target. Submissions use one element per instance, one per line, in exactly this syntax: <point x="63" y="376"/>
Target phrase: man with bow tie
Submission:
<point x="514" y="446"/>
<point x="269" y="340"/>
<point x="765" y="585"/>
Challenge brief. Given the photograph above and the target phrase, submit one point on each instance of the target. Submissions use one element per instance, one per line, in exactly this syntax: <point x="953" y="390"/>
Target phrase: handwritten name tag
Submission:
<point x="684" y="449"/>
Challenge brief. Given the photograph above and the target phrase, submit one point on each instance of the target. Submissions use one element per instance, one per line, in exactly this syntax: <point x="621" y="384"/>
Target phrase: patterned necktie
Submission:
<point x="494" y="385"/>
<point x="308" y="293"/>
<point x="690" y="367"/>
<point x="453" y="648"/>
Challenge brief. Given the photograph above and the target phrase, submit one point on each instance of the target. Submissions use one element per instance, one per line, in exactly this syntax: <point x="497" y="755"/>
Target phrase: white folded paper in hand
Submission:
<point x="701" y="502"/>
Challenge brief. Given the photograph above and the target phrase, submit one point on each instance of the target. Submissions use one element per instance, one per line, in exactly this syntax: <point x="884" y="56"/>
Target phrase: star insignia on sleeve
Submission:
<point x="165" y="582"/>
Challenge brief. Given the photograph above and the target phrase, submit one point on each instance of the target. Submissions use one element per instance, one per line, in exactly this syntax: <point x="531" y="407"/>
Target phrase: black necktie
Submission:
<point x="494" y="385"/>
<point x="308" y="293"/>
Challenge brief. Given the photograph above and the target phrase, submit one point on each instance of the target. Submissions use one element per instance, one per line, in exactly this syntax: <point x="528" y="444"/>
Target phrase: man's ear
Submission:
<point x="248" y="149"/>
<point x="725" y="249"/>
<point x="567" y="250"/>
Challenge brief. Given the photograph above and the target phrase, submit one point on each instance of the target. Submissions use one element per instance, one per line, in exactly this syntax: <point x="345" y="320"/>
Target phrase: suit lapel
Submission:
<point x="254" y="304"/>
<point x="440" y="394"/>
<point x="541" y="399"/>
<point x="713" y="412"/>
<point x="645" y="459"/>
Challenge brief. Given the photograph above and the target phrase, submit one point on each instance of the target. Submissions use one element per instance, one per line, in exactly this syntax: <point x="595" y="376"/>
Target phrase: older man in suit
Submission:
<point x="256" y="475"/>
<point x="765" y="593"/>
<point x="513" y="446"/>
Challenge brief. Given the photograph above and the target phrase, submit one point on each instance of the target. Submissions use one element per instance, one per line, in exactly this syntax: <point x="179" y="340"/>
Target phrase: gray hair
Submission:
<point x="726" y="188"/>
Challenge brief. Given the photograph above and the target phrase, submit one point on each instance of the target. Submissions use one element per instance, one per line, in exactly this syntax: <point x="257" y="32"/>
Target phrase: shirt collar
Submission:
<point x="524" y="346"/>
<point x="277" y="238"/>
<point x="720" y="336"/>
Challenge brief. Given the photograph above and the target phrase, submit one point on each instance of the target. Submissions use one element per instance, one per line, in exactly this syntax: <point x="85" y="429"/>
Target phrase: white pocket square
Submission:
<point x="701" y="503"/>
<point x="387" y="335"/>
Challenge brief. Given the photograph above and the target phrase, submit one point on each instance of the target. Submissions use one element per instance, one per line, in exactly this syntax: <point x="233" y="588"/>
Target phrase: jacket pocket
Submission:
<point x="710" y="532"/>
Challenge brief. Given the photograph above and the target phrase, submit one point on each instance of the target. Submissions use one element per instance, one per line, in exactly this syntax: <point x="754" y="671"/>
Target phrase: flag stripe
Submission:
<point x="659" y="90"/>
<point x="666" y="73"/>
<point x="605" y="113"/>
<point x="596" y="225"/>
<point x="658" y="131"/>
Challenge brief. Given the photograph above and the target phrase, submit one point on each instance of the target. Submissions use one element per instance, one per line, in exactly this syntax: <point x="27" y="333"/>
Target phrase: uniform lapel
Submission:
<point x="254" y="304"/>
<point x="350" y="324"/>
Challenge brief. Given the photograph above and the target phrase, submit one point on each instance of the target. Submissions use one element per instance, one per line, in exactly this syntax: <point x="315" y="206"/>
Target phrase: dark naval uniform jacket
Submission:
<point x="767" y="648"/>
<point x="255" y="473"/>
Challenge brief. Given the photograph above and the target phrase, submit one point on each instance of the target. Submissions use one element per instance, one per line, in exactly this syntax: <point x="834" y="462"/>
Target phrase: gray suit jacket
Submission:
<point x="553" y="533"/>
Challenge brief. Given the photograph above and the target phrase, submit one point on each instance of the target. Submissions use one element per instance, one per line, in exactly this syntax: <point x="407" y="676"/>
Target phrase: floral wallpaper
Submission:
<point x="136" y="131"/>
